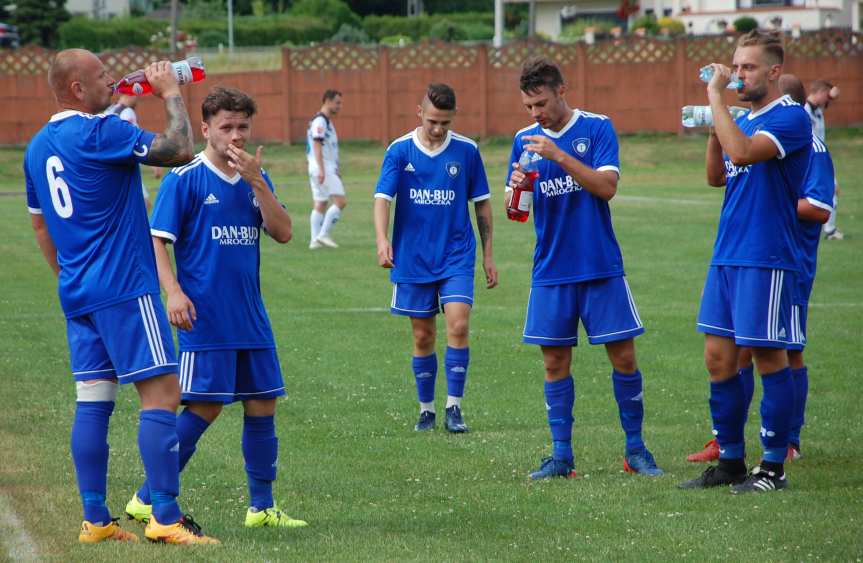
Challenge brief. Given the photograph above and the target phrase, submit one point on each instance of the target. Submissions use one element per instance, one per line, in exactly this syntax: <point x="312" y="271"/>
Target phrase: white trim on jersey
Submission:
<point x="558" y="134"/>
<point x="820" y="204"/>
<point x="776" y="142"/>
<point x="229" y="179"/>
<point x="818" y="145"/>
<point x="34" y="210"/>
<point x="609" y="167"/>
<point x="480" y="198"/>
<point x="467" y="140"/>
<point x="383" y="196"/>
<point x="753" y="114"/>
<point x="404" y="137"/>
<point x="435" y="152"/>
<point x="180" y="170"/>
<point x="70" y="112"/>
<point x="163" y="234"/>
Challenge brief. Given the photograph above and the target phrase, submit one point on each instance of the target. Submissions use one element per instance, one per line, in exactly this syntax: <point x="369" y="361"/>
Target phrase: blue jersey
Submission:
<point x="83" y="177"/>
<point x="432" y="234"/>
<point x="215" y="224"/>
<point x="758" y="225"/>
<point x="575" y="241"/>
<point x="818" y="190"/>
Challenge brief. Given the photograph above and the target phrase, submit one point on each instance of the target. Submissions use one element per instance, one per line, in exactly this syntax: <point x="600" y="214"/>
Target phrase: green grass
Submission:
<point x="371" y="488"/>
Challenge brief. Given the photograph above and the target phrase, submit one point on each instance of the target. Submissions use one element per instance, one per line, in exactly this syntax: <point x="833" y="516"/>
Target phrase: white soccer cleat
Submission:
<point x="326" y="241"/>
<point x="315" y="244"/>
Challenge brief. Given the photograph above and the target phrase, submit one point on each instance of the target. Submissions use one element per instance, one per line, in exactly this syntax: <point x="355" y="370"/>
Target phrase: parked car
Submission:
<point x="9" y="36"/>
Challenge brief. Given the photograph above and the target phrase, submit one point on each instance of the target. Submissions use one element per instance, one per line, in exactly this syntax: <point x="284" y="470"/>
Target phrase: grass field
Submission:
<point x="370" y="487"/>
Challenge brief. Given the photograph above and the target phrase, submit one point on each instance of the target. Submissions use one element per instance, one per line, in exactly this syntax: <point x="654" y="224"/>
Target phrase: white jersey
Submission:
<point x="126" y="114"/>
<point x="816" y="116"/>
<point x="321" y="130"/>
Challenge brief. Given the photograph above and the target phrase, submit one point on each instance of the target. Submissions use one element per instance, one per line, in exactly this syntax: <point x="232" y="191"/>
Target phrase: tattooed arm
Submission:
<point x="484" y="226"/>
<point x="175" y="146"/>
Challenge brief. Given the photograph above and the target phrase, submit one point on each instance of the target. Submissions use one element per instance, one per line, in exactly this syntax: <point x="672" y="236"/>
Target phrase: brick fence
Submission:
<point x="641" y="83"/>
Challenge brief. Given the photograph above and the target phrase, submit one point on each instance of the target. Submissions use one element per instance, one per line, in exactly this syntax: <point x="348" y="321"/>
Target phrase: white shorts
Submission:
<point x="332" y="186"/>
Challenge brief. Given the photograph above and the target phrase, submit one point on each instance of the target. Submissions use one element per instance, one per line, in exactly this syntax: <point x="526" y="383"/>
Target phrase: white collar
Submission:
<point x="69" y="113"/>
<point x="753" y="114"/>
<point x="229" y="179"/>
<point x="427" y="152"/>
<point x="567" y="127"/>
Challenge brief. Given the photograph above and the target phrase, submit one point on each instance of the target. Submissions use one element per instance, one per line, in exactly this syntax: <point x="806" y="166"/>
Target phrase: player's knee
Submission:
<point x="623" y="360"/>
<point x="423" y="338"/>
<point x="209" y="411"/>
<point x="340" y="202"/>
<point x="458" y="328"/>
<point x="100" y="390"/>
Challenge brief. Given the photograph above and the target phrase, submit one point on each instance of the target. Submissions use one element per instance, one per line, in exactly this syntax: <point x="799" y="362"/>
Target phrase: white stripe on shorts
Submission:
<point x="147" y="329"/>
<point x="632" y="306"/>
<point x="393" y="301"/>
<point x="190" y="372"/>
<point x="157" y="332"/>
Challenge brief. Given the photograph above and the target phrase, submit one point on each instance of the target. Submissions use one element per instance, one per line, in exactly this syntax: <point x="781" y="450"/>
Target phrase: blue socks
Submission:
<point x="456" y="362"/>
<point x="190" y="428"/>
<point x="425" y="373"/>
<point x="157" y="440"/>
<point x="801" y="391"/>
<point x="728" y="411"/>
<point x="630" y="404"/>
<point x="777" y="409"/>
<point x="90" y="453"/>
<point x="261" y="451"/>
<point x="559" y="400"/>
<point x="748" y="376"/>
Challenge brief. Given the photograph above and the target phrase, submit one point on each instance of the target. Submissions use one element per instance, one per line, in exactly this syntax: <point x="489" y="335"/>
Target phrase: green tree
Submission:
<point x="334" y="12"/>
<point x="39" y="20"/>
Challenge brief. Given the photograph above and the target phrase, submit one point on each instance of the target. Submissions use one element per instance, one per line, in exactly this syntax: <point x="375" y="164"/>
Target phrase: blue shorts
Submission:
<point x="428" y="299"/>
<point x="799" y="312"/>
<point x="128" y="341"/>
<point x="225" y="376"/>
<point x="750" y="305"/>
<point x="605" y="306"/>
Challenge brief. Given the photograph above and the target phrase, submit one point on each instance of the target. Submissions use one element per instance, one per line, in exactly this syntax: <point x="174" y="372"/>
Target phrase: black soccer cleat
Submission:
<point x="454" y="423"/>
<point x="426" y="421"/>
<point x="761" y="481"/>
<point x="714" y="476"/>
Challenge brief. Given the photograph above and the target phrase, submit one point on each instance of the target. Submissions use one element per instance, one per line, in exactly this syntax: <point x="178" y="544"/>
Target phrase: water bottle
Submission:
<point x="135" y="83"/>
<point x="702" y="116"/>
<point x="706" y="73"/>
<point x="522" y="195"/>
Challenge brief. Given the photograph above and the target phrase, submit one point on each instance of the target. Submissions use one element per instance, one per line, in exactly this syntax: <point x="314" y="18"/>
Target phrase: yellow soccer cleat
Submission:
<point x="137" y="510"/>
<point x="91" y="533"/>
<point x="184" y="532"/>
<point x="272" y="518"/>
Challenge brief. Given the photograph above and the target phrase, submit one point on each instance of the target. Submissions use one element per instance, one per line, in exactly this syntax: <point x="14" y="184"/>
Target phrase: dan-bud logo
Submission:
<point x="235" y="235"/>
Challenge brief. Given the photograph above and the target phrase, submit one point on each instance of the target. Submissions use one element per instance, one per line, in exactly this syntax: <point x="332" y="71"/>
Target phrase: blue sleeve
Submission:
<point x="517" y="149"/>
<point x="820" y="184"/>
<point x="388" y="182"/>
<point x="118" y="141"/>
<point x="166" y="220"/>
<point x="268" y="181"/>
<point x="478" y="189"/>
<point x="790" y="130"/>
<point x="605" y="152"/>
<point x="33" y="204"/>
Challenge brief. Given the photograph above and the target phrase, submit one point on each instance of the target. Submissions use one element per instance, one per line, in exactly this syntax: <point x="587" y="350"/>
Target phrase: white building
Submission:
<point x="706" y="16"/>
<point x="101" y="9"/>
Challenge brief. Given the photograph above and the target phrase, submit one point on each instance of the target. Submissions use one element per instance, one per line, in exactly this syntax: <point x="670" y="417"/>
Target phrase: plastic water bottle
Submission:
<point x="706" y="73"/>
<point x="702" y="116"/>
<point x="135" y="83"/>
<point x="522" y="195"/>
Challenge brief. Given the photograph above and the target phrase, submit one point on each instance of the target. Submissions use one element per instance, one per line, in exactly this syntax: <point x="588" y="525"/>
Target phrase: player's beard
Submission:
<point x="752" y="95"/>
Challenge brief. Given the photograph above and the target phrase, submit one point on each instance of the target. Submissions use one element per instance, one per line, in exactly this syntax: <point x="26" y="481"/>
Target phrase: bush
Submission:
<point x="116" y="33"/>
<point x="396" y="40"/>
<point x="387" y="26"/>
<point x="673" y="26"/>
<point x="212" y="38"/>
<point x="251" y="31"/>
<point x="648" y="23"/>
<point x="745" y="24"/>
<point x="575" y="30"/>
<point x="472" y="26"/>
<point x="350" y="34"/>
<point x="334" y="12"/>
<point x="446" y="30"/>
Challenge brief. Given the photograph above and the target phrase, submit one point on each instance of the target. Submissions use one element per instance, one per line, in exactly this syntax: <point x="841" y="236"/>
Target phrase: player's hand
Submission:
<point x="720" y="79"/>
<point x="517" y="177"/>
<point x="247" y="165"/>
<point x="321" y="176"/>
<point x="490" y="272"/>
<point x="543" y="146"/>
<point x="181" y="310"/>
<point x="385" y="254"/>
<point x="161" y="77"/>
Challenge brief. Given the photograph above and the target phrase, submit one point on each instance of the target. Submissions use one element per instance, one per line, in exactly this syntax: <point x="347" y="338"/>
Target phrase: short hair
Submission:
<point x="65" y="68"/>
<point x="441" y="96"/>
<point x="793" y="86"/>
<point x="228" y="99"/>
<point x="537" y="72"/>
<point x="769" y="41"/>
<point x="330" y="95"/>
<point x="820" y="84"/>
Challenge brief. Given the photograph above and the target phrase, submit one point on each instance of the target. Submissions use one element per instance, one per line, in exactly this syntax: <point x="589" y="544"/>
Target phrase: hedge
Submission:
<point x="470" y="25"/>
<point x="100" y="35"/>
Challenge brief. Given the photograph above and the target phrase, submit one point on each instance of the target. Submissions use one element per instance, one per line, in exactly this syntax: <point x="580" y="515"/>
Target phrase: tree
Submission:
<point x="39" y="20"/>
<point x="334" y="12"/>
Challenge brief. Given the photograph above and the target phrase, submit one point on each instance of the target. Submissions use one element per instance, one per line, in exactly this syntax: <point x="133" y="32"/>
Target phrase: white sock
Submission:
<point x="333" y="214"/>
<point x="426" y="407"/>
<point x="316" y="220"/>
<point x="453" y="401"/>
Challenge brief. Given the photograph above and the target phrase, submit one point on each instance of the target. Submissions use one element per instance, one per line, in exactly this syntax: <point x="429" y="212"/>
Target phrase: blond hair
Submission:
<point x="769" y="41"/>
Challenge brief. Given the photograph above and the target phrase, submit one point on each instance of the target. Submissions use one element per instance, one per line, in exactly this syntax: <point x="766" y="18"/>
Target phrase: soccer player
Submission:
<point x="821" y="93"/>
<point x="749" y="291"/>
<point x="212" y="210"/>
<point x="813" y="209"/>
<point x="432" y="173"/>
<point x="578" y="268"/>
<point x="84" y="197"/>
<point x="322" y="152"/>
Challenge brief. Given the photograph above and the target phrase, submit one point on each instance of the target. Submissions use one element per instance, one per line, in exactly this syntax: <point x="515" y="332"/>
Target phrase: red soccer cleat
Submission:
<point x="708" y="454"/>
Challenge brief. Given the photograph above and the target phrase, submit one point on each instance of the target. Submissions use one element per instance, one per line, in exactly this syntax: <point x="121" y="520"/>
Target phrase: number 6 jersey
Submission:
<point x="83" y="177"/>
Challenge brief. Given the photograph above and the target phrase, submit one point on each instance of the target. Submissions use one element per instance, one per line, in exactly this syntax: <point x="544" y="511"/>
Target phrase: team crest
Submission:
<point x="452" y="168"/>
<point x="581" y="146"/>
